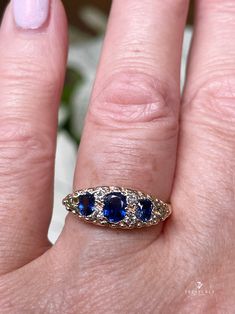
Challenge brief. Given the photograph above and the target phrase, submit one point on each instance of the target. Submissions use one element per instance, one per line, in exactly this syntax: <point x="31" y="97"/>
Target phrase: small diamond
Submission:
<point x="132" y="199"/>
<point x="130" y="221"/>
<point x="155" y="218"/>
<point x="114" y="207"/>
<point x="100" y="194"/>
<point x="144" y="210"/>
<point x="162" y="210"/>
<point x="86" y="204"/>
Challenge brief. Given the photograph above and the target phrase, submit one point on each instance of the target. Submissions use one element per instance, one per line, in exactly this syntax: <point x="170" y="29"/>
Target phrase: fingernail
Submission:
<point x="30" y="14"/>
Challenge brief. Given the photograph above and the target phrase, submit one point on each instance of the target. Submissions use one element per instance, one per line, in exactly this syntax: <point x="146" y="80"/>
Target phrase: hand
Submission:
<point x="132" y="138"/>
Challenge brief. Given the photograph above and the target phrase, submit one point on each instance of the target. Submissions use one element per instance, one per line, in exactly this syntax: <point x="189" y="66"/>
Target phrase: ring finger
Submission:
<point x="131" y="130"/>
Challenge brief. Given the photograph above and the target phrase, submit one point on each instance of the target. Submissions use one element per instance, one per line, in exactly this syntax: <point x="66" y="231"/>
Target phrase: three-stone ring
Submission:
<point x="116" y="207"/>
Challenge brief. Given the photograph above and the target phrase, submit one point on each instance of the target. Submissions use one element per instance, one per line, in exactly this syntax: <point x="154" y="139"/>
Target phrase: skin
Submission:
<point x="139" y="133"/>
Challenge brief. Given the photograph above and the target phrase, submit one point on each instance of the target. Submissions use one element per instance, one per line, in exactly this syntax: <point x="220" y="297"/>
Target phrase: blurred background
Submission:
<point x="87" y="23"/>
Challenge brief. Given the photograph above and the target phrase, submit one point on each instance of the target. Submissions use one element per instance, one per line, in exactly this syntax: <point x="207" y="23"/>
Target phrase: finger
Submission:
<point x="204" y="186"/>
<point x="32" y="64"/>
<point x="130" y="136"/>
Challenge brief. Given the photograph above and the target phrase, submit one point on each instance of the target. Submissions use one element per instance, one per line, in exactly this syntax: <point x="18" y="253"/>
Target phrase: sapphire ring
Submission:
<point x="116" y="207"/>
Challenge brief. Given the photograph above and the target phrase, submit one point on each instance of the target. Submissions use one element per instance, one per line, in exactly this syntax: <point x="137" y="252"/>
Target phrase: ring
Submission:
<point x="117" y="207"/>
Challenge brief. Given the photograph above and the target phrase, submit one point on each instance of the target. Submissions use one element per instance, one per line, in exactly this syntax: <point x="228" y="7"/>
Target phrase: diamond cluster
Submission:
<point x="116" y="207"/>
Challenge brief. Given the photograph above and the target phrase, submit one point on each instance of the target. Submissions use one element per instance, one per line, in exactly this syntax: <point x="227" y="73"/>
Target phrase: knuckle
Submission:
<point x="132" y="98"/>
<point x="29" y="75"/>
<point x="22" y="146"/>
<point x="213" y="105"/>
<point x="216" y="97"/>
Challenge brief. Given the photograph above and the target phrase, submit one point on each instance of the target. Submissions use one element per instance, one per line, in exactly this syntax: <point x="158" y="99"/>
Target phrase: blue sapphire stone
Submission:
<point x="144" y="210"/>
<point x="114" y="207"/>
<point x="86" y="204"/>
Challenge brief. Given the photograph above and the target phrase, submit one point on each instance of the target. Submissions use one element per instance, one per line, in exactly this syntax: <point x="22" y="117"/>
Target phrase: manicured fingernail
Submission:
<point x="30" y="14"/>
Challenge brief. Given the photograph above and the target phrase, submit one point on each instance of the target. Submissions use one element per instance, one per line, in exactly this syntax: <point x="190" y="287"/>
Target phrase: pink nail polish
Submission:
<point x="30" y="14"/>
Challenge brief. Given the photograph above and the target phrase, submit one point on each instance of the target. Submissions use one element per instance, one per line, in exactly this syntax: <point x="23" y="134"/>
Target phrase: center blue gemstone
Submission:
<point x="144" y="210"/>
<point x="86" y="204"/>
<point x="114" y="207"/>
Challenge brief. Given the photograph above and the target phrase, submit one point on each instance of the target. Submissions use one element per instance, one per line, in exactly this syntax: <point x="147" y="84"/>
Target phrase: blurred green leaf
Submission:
<point x="73" y="80"/>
